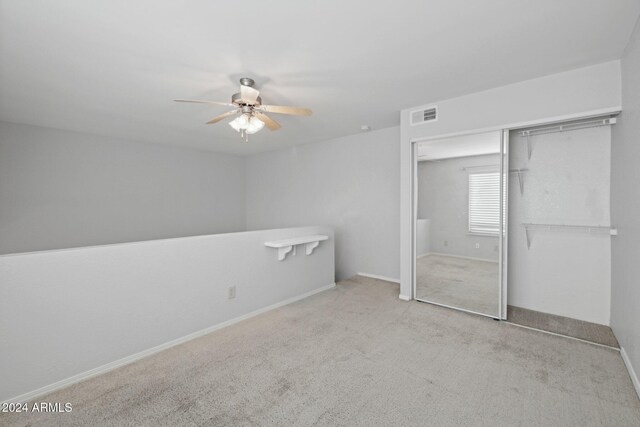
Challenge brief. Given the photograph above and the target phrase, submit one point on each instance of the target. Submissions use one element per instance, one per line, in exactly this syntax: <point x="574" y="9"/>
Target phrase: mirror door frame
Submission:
<point x="504" y="220"/>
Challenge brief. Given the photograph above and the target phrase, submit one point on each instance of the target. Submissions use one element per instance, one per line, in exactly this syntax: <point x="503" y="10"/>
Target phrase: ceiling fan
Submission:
<point x="252" y="112"/>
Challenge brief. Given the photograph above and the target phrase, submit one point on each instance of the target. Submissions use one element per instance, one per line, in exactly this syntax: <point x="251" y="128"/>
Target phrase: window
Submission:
<point x="484" y="203"/>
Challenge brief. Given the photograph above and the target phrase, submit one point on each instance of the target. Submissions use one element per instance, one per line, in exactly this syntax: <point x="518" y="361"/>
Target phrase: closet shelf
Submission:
<point x="287" y="245"/>
<point x="563" y="128"/>
<point x="520" y="173"/>
<point x="529" y="227"/>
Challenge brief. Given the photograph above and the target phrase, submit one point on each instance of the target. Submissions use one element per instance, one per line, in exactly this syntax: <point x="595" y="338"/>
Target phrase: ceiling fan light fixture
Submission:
<point x="255" y="125"/>
<point x="240" y="123"/>
<point x="243" y="121"/>
<point x="247" y="123"/>
<point x="234" y="124"/>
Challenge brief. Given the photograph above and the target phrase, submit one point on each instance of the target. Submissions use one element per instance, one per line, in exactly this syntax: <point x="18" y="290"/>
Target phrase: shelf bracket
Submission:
<point x="283" y="251"/>
<point x="289" y="245"/>
<point x="521" y="182"/>
<point x="529" y="145"/>
<point x="520" y="173"/>
<point x="528" y="233"/>
<point x="309" y="247"/>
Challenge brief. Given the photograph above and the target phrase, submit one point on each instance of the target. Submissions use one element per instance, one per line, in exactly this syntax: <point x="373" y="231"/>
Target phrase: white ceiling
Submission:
<point x="477" y="144"/>
<point x="112" y="67"/>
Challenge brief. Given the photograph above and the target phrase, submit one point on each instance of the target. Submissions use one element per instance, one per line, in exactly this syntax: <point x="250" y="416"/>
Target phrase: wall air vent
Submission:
<point x="425" y="115"/>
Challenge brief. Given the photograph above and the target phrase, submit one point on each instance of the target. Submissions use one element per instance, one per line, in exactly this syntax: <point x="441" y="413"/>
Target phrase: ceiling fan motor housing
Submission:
<point x="246" y="81"/>
<point x="237" y="99"/>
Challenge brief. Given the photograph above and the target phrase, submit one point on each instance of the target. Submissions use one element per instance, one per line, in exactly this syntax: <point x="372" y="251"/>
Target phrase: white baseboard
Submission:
<point x="458" y="256"/>
<point x="375" y="276"/>
<point x="145" y="353"/>
<point x="386" y="279"/>
<point x="632" y="372"/>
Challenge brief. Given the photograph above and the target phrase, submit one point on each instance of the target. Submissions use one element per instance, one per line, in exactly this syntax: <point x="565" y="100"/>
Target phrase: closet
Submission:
<point x="461" y="184"/>
<point x="559" y="228"/>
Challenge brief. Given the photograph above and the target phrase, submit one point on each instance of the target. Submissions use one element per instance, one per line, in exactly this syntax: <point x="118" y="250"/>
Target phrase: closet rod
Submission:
<point x="567" y="127"/>
<point x="529" y="227"/>
<point x="588" y="228"/>
<point x="487" y="168"/>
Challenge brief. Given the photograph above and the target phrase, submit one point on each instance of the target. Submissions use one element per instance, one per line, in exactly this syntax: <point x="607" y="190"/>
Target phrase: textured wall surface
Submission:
<point x="568" y="182"/>
<point x="66" y="189"/>
<point x="348" y="183"/>
<point x="625" y="208"/>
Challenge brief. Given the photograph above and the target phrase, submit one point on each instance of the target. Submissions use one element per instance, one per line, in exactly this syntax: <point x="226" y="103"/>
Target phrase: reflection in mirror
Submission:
<point x="458" y="222"/>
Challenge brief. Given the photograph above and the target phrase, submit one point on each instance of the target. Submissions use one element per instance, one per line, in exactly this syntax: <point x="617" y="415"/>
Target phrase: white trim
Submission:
<point x="457" y="308"/>
<point x="561" y="335"/>
<point x="632" y="372"/>
<point x="413" y="292"/>
<point x="480" y="234"/>
<point x="503" y="242"/>
<point x="375" y="276"/>
<point x="386" y="279"/>
<point x="459" y="256"/>
<point x="520" y="125"/>
<point x="143" y="242"/>
<point x="145" y="353"/>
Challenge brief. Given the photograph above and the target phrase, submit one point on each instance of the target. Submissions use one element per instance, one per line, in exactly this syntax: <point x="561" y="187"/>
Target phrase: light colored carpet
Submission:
<point x="587" y="331"/>
<point x="357" y="355"/>
<point x="459" y="282"/>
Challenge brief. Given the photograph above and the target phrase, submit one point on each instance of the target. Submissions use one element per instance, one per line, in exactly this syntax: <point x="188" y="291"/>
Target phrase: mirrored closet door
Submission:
<point x="460" y="225"/>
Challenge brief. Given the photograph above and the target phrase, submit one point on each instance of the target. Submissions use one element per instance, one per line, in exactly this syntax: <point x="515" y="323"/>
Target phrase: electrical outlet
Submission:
<point x="495" y="248"/>
<point x="231" y="293"/>
<point x="446" y="243"/>
<point x="477" y="245"/>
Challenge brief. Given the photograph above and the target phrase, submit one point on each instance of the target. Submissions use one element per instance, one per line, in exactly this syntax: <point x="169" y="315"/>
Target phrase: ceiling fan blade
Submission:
<point x="268" y="121"/>
<point x="294" y="111"/>
<point x="248" y="94"/>
<point x="197" y="101"/>
<point x="222" y="116"/>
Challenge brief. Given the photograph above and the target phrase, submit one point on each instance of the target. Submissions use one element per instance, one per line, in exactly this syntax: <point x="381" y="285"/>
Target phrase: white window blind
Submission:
<point x="484" y="203"/>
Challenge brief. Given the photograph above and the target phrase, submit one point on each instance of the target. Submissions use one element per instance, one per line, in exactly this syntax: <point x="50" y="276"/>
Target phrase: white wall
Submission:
<point x="625" y="209"/>
<point x="349" y="183"/>
<point x="66" y="189"/>
<point x="580" y="91"/>
<point x="68" y="311"/>
<point x="567" y="273"/>
<point x="443" y="198"/>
